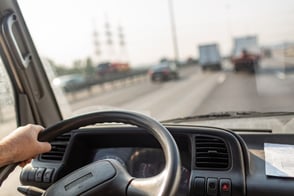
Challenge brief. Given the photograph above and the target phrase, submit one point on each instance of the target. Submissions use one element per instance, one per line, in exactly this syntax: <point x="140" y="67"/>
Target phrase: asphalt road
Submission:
<point x="198" y="92"/>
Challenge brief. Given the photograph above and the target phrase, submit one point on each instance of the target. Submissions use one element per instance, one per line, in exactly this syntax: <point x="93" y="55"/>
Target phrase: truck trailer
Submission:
<point x="209" y="57"/>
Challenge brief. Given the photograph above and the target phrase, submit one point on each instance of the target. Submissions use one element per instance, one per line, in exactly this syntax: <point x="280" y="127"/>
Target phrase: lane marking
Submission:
<point x="221" y="79"/>
<point x="281" y="75"/>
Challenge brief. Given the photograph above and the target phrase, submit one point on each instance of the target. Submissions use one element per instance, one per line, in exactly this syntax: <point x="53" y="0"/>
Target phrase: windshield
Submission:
<point x="167" y="59"/>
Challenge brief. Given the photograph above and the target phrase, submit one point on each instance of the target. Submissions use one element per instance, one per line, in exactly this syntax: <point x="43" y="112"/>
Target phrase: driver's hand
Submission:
<point x="22" y="145"/>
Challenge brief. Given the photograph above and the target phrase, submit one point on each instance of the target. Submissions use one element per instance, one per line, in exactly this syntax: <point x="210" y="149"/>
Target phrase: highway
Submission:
<point x="197" y="92"/>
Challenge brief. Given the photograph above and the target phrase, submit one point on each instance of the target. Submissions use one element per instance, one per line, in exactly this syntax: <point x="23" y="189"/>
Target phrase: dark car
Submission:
<point x="164" y="71"/>
<point x="71" y="83"/>
<point x="104" y="68"/>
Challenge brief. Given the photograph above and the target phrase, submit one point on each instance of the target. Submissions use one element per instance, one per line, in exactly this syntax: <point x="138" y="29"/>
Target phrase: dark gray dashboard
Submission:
<point x="214" y="161"/>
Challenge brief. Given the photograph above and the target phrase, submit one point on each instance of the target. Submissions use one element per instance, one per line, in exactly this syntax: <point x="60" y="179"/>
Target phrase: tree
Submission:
<point x="89" y="68"/>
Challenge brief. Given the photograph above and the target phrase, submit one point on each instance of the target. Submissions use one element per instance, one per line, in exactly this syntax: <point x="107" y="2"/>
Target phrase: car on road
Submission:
<point x="163" y="71"/>
<point x="71" y="83"/>
<point x="211" y="133"/>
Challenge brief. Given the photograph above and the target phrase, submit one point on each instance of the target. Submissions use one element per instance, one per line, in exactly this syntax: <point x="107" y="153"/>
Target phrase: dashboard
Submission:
<point x="214" y="161"/>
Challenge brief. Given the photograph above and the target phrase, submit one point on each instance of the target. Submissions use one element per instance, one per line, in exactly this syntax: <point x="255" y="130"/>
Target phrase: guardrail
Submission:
<point x="100" y="80"/>
<point x="117" y="76"/>
<point x="285" y="60"/>
<point x="111" y="77"/>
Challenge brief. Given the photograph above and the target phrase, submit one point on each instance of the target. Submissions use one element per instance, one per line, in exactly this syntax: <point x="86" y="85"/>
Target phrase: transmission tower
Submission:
<point x="97" y="44"/>
<point x="109" y="41"/>
<point x="122" y="44"/>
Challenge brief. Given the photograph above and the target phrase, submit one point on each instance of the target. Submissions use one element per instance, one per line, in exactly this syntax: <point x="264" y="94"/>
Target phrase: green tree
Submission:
<point x="89" y="68"/>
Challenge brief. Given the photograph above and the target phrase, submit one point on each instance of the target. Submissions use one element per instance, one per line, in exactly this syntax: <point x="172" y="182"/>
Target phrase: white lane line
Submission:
<point x="221" y="78"/>
<point x="281" y="75"/>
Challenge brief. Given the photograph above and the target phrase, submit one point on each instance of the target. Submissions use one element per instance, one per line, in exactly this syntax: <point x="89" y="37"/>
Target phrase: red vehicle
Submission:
<point x="246" y="53"/>
<point x="110" y="68"/>
<point x="246" y="62"/>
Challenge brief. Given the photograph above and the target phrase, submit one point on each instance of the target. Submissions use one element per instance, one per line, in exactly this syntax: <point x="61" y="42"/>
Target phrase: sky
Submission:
<point x="63" y="29"/>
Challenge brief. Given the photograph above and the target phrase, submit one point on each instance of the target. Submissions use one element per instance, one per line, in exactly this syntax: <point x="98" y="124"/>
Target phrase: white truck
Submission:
<point x="248" y="43"/>
<point x="209" y="57"/>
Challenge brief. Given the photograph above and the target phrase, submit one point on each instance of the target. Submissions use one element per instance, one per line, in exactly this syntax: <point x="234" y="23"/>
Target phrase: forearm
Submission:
<point x="22" y="145"/>
<point x="6" y="154"/>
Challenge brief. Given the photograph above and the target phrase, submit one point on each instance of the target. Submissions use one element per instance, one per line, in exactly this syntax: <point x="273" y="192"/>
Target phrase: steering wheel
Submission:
<point x="109" y="177"/>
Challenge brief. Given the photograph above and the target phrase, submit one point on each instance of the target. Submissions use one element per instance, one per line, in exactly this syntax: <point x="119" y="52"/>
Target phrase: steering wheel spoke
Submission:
<point x="104" y="177"/>
<point x="147" y="186"/>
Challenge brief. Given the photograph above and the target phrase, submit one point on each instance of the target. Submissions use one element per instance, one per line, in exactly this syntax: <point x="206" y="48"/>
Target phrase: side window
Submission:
<point x="7" y="103"/>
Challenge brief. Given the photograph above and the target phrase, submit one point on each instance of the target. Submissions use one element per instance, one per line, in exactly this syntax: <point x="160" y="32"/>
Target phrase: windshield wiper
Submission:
<point x="227" y="115"/>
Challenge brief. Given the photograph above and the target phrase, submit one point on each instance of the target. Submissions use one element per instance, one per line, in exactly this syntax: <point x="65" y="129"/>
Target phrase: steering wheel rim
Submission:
<point x="165" y="183"/>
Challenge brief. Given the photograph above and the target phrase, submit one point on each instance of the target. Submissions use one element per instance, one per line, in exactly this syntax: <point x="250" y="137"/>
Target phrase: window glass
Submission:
<point x="7" y="103"/>
<point x="168" y="59"/>
<point x="8" y="123"/>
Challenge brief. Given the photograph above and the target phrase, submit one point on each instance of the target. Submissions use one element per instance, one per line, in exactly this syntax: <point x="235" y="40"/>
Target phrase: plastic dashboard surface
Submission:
<point x="214" y="161"/>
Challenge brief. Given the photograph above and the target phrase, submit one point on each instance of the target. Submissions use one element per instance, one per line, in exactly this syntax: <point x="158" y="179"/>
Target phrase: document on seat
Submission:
<point x="279" y="160"/>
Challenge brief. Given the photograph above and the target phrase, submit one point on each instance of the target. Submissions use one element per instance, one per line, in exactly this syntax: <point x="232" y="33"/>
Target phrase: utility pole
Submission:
<point x="229" y="26"/>
<point x="109" y="41"/>
<point x="122" y="44"/>
<point x="173" y="30"/>
<point x="97" y="44"/>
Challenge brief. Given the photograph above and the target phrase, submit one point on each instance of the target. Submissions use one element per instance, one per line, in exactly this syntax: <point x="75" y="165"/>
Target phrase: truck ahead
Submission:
<point x="246" y="54"/>
<point x="209" y="57"/>
<point x="111" y="68"/>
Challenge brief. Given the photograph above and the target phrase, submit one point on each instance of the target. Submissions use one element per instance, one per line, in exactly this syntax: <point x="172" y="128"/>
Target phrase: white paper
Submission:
<point x="279" y="160"/>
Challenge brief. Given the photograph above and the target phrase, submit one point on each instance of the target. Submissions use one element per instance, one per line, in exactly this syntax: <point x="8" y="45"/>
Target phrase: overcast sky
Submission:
<point x="63" y="29"/>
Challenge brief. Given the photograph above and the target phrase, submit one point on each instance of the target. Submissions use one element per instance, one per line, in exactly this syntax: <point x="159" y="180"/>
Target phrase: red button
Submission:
<point x="225" y="187"/>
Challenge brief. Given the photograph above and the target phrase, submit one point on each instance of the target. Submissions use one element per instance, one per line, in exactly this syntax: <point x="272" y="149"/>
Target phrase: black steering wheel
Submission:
<point x="109" y="177"/>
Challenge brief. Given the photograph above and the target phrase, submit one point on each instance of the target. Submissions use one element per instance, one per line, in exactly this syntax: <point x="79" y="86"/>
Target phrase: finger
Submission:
<point x="45" y="147"/>
<point x="38" y="128"/>
<point x="24" y="163"/>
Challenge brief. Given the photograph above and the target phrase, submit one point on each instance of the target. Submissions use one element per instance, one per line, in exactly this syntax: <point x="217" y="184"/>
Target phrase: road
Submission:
<point x="196" y="92"/>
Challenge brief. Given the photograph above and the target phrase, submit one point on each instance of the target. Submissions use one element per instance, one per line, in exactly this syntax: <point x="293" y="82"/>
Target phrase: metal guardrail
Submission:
<point x="117" y="76"/>
<point x="100" y="80"/>
<point x="112" y="77"/>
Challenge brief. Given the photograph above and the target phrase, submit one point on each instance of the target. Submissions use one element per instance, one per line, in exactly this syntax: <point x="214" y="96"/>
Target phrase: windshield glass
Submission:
<point x="167" y="59"/>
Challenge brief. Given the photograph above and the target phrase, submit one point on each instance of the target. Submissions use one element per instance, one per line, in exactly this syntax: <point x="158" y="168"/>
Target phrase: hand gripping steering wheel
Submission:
<point x="109" y="177"/>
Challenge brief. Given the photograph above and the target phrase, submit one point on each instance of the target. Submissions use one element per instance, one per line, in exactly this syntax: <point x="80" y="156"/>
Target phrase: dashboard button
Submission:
<point x="225" y="187"/>
<point x="199" y="187"/>
<point x="32" y="174"/>
<point x="24" y="176"/>
<point x="47" y="175"/>
<point x="39" y="174"/>
<point x="211" y="186"/>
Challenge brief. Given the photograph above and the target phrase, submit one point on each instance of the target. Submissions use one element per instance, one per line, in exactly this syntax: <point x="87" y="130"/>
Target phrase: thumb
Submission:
<point x="44" y="147"/>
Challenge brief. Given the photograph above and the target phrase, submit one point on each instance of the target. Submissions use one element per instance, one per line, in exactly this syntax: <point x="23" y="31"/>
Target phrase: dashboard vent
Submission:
<point x="59" y="145"/>
<point x="211" y="153"/>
